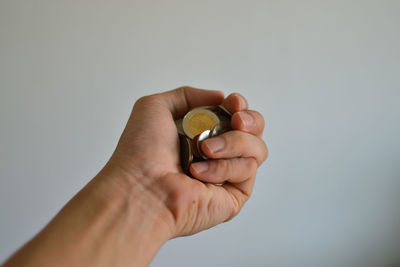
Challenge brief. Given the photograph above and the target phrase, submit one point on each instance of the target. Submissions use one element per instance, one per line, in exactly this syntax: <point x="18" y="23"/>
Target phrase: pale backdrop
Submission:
<point x="325" y="74"/>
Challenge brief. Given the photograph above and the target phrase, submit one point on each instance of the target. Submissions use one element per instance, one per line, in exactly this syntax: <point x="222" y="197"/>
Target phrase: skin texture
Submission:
<point x="141" y="198"/>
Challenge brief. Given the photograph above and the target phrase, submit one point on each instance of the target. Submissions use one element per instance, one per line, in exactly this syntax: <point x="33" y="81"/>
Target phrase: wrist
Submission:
<point x="138" y="190"/>
<point x="142" y="206"/>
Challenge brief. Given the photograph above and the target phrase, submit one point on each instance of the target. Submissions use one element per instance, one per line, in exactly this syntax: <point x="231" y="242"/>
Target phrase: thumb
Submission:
<point x="181" y="100"/>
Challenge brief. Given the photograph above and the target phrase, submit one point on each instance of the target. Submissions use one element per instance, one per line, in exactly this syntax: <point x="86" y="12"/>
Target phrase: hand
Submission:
<point x="141" y="198"/>
<point x="148" y="153"/>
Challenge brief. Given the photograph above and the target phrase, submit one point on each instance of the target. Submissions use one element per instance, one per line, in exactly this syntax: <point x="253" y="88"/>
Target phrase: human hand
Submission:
<point x="148" y="154"/>
<point x="141" y="198"/>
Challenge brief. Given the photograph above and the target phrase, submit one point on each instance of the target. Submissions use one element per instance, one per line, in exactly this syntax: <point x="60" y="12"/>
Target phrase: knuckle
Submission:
<point x="235" y="209"/>
<point x="265" y="152"/>
<point x="237" y="142"/>
<point x="145" y="100"/>
<point x="227" y="141"/>
<point x="223" y="167"/>
<point x="183" y="88"/>
<point x="259" y="119"/>
<point x="252" y="165"/>
<point x="180" y="90"/>
<point x="141" y="100"/>
<point x="253" y="168"/>
<point x="238" y="137"/>
<point x="234" y="141"/>
<point x="181" y="94"/>
<point x="240" y="203"/>
<point x="261" y="153"/>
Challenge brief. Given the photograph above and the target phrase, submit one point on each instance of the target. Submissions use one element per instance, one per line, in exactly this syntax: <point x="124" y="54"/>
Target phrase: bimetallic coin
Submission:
<point x="198" y="120"/>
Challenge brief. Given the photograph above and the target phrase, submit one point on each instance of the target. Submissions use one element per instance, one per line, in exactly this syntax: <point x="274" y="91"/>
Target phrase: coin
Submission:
<point x="198" y="120"/>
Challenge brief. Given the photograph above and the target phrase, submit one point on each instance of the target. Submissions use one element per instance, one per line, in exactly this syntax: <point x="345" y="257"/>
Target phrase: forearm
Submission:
<point x="108" y="223"/>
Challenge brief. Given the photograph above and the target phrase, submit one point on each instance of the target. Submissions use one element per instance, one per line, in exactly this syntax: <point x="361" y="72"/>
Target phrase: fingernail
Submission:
<point x="214" y="144"/>
<point x="243" y="102"/>
<point x="200" y="167"/>
<point x="246" y="118"/>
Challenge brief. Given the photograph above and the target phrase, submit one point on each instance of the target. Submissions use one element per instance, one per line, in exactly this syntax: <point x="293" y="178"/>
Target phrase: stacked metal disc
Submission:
<point x="197" y="125"/>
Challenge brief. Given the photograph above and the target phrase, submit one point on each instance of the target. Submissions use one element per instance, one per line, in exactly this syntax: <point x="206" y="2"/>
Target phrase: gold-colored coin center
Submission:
<point x="200" y="122"/>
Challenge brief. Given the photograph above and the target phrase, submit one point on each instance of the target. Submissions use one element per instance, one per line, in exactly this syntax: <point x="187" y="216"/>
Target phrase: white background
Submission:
<point x="325" y="74"/>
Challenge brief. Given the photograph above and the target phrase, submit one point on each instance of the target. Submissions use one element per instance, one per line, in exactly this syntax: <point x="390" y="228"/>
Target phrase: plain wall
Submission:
<point x="325" y="74"/>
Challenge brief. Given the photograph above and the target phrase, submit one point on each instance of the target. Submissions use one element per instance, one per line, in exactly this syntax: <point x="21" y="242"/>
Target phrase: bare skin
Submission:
<point x="141" y="198"/>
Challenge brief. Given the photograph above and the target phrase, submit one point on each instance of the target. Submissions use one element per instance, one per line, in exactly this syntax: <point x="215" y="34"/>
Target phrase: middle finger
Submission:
<point x="234" y="144"/>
